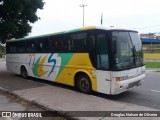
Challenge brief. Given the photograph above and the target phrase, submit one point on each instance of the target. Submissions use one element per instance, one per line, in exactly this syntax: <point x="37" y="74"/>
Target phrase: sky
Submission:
<point x="61" y="15"/>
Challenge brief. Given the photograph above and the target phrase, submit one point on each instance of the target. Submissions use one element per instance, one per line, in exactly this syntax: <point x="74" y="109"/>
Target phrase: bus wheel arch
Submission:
<point x="24" y="73"/>
<point x="83" y="82"/>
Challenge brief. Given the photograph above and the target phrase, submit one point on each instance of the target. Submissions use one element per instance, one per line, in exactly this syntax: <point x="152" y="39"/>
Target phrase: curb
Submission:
<point x="152" y="70"/>
<point x="57" y="113"/>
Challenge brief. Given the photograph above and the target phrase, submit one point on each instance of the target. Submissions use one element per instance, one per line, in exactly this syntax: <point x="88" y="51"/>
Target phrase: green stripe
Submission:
<point x="35" y="67"/>
<point x="65" y="58"/>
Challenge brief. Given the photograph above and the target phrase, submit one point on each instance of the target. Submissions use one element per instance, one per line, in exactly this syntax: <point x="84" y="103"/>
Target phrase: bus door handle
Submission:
<point x="108" y="80"/>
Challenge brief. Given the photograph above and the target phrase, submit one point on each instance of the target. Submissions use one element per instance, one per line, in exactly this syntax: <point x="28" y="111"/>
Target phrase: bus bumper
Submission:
<point x="122" y="86"/>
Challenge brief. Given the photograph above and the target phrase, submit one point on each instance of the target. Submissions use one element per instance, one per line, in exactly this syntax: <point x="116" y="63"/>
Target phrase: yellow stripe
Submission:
<point x="40" y="67"/>
<point x="88" y="28"/>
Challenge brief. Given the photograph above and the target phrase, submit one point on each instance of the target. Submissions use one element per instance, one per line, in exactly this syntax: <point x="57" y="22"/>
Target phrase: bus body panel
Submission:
<point x="103" y="81"/>
<point x="60" y="68"/>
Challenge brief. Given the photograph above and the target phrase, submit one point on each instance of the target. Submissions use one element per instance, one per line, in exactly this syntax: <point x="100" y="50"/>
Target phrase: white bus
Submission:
<point x="105" y="60"/>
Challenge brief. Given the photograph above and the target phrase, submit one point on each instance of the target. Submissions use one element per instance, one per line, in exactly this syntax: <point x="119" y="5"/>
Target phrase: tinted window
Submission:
<point x="52" y="44"/>
<point x="137" y="45"/>
<point x="20" y="46"/>
<point x="71" y="42"/>
<point x="123" y="57"/>
<point x="13" y="47"/>
<point x="30" y="46"/>
<point x="102" y="52"/>
<point x="8" y="47"/>
<point x="60" y="43"/>
<point x="92" y="50"/>
<point x="80" y="42"/>
<point x="41" y="45"/>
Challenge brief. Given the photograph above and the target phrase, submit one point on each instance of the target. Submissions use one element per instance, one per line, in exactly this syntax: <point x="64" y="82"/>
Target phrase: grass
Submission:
<point x="152" y="64"/>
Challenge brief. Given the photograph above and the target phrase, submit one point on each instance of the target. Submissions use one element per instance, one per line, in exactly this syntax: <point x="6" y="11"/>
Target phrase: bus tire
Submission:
<point x="83" y="84"/>
<point x="24" y="72"/>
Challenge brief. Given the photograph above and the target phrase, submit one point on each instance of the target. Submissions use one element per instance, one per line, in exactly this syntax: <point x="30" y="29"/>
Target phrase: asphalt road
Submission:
<point x="148" y="94"/>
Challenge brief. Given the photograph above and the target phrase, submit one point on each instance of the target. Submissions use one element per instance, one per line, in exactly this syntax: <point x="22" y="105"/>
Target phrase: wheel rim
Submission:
<point x="84" y="84"/>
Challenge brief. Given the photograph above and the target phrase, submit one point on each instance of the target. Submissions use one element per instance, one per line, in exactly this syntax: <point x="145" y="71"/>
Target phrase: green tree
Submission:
<point x="2" y="49"/>
<point x="16" y="16"/>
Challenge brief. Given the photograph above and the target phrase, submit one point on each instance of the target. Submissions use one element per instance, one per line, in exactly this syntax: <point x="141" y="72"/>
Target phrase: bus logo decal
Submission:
<point x="50" y="60"/>
<point x="38" y="67"/>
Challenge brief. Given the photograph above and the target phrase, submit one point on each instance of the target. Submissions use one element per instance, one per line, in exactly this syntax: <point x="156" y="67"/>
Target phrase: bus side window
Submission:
<point x="91" y="47"/>
<point x="8" y="47"/>
<point x="65" y="46"/>
<point x="60" y="43"/>
<point x="52" y="43"/>
<point x="80" y="42"/>
<point x="102" y="52"/>
<point x="13" y="48"/>
<point x="41" y="45"/>
<point x="30" y="46"/>
<point x="70" y="42"/>
<point x="21" y="47"/>
<point x="70" y="45"/>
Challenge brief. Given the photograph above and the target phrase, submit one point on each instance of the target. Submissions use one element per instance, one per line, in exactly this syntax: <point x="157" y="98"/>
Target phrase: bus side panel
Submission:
<point x="58" y="67"/>
<point x="14" y="62"/>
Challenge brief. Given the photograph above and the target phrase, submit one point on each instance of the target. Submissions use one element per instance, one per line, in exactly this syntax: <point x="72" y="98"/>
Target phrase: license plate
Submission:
<point x="133" y="84"/>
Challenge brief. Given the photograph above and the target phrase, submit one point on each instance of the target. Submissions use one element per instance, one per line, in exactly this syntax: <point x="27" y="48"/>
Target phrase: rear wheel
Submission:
<point x="83" y="84"/>
<point x="24" y="72"/>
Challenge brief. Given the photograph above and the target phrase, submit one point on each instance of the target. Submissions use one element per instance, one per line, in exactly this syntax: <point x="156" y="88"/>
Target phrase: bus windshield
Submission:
<point x="127" y="50"/>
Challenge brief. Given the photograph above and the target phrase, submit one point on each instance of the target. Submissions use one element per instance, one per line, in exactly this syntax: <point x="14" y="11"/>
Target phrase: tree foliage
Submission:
<point x="16" y="16"/>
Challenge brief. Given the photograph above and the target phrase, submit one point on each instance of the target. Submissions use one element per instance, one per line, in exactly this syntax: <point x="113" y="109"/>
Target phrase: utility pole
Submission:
<point x="102" y="18"/>
<point x="83" y="12"/>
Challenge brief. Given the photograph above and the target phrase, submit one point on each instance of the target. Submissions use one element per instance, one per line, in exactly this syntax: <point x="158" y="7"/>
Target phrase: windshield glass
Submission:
<point x="137" y="45"/>
<point x="127" y="50"/>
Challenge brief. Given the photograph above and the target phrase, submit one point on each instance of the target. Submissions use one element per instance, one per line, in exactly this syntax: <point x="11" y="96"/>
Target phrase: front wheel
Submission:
<point x="84" y="84"/>
<point x="24" y="72"/>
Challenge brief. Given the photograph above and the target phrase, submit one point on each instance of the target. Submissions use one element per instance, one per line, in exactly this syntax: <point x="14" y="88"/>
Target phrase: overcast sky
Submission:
<point x="60" y="15"/>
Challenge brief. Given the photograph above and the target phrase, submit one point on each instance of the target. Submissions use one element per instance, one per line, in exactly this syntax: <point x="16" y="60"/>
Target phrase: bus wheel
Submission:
<point x="84" y="84"/>
<point x="23" y="72"/>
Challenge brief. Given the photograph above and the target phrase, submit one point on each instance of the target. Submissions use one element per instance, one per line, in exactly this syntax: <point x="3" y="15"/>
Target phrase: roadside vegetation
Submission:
<point x="151" y="52"/>
<point x="152" y="64"/>
<point x="2" y="51"/>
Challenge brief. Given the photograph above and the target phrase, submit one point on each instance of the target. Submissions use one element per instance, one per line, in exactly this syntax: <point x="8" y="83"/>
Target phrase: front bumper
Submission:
<point x="122" y="86"/>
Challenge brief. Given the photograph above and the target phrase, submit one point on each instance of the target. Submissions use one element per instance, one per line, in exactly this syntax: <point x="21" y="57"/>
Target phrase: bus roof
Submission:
<point x="71" y="31"/>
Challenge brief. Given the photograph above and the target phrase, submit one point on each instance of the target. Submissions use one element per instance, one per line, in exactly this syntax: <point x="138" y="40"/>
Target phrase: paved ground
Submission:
<point x="9" y="103"/>
<point x="64" y="98"/>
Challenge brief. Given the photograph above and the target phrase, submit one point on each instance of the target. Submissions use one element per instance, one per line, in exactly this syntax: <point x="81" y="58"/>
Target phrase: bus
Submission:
<point x="93" y="58"/>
